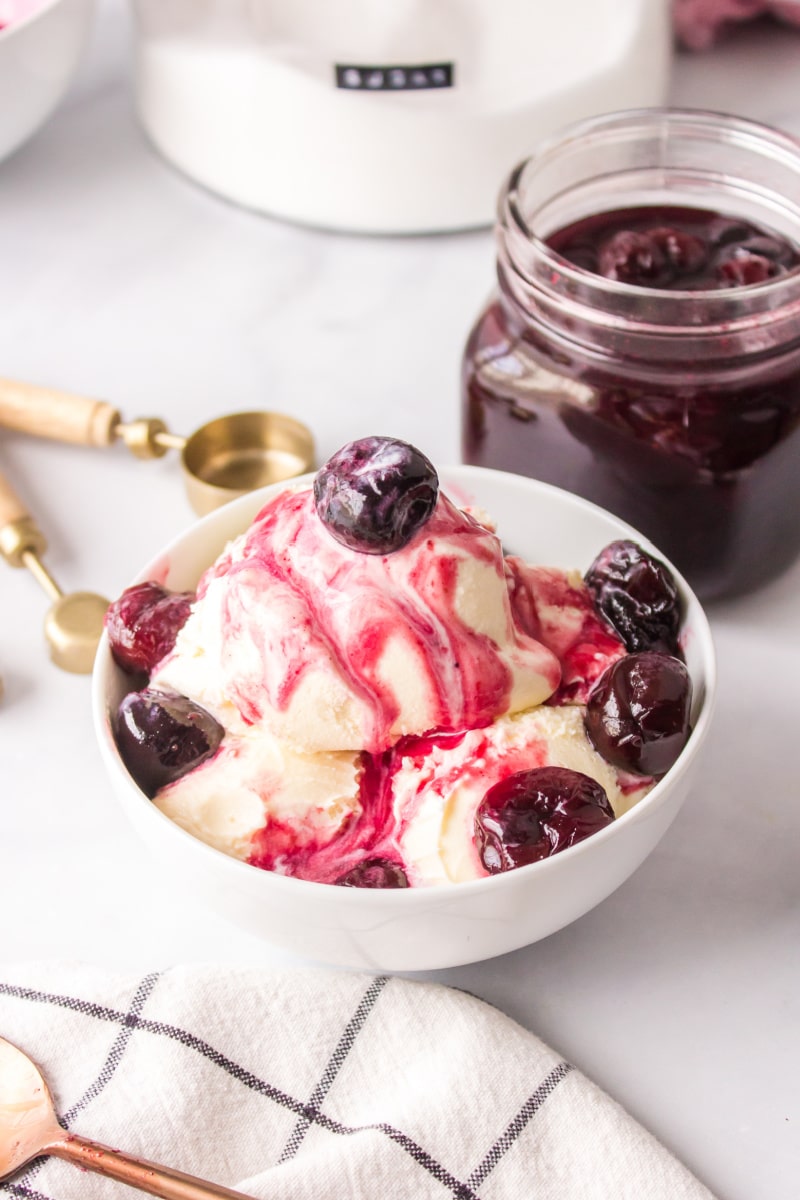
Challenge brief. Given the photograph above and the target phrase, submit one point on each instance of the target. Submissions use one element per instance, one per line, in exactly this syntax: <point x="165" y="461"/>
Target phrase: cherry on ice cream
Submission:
<point x="637" y="595"/>
<point x="143" y="623"/>
<point x="162" y="736"/>
<point x="637" y="716"/>
<point x="533" y="814"/>
<point x="374" y="494"/>
<point x="374" y="873"/>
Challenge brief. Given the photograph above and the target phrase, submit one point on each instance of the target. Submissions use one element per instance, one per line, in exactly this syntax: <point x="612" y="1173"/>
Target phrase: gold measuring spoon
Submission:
<point x="29" y="1127"/>
<point x="74" y="622"/>
<point x="221" y="460"/>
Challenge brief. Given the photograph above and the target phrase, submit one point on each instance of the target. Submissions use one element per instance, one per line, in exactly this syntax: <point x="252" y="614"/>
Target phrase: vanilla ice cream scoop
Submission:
<point x="330" y="649"/>
<point x="258" y="795"/>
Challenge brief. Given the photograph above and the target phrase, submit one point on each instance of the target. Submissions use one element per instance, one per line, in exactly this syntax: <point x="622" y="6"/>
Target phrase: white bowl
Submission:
<point x="38" y="58"/>
<point x="443" y="926"/>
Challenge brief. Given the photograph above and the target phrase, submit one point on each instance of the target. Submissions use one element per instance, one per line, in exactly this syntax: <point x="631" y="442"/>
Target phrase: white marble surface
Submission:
<point x="680" y="995"/>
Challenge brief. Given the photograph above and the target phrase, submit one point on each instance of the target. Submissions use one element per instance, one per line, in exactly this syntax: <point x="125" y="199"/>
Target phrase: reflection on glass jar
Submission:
<point x="643" y="345"/>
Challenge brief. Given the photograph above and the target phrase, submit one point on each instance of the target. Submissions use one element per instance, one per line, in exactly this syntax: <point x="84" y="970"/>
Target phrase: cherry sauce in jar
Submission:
<point x="642" y="348"/>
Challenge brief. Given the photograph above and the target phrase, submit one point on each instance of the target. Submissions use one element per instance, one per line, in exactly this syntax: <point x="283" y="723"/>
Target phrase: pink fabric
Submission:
<point x="17" y="10"/>
<point x="698" y="22"/>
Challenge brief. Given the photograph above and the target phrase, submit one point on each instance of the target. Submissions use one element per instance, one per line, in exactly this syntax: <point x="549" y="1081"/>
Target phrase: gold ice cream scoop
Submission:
<point x="222" y="459"/>
<point x="29" y="1127"/>
<point x="74" y="623"/>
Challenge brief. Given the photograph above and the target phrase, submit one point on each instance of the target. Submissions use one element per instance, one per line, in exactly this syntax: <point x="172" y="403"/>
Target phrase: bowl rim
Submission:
<point x="219" y="860"/>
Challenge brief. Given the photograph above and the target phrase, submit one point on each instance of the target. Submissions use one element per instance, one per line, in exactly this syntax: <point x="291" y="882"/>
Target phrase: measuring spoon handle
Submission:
<point x="11" y="507"/>
<point x="62" y="416"/>
<point x="18" y="530"/>
<point x="137" y="1172"/>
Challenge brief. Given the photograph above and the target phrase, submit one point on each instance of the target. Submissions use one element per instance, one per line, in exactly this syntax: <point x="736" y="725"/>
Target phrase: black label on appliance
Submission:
<point x="395" y="78"/>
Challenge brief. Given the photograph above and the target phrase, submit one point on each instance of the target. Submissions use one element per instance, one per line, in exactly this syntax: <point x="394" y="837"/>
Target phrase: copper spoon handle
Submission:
<point x="136" y="1172"/>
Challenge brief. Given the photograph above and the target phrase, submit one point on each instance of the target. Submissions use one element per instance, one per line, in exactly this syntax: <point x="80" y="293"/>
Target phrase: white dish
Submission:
<point x="38" y="58"/>
<point x="421" y="928"/>
<point x="243" y="98"/>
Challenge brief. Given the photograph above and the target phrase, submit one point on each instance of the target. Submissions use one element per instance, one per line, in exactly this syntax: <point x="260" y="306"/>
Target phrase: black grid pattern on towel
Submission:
<point x="19" y="1187"/>
<point x="308" y="1113"/>
<point x="351" y="1032"/>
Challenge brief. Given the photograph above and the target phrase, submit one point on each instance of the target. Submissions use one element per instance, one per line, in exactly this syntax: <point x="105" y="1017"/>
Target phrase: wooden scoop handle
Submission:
<point x="19" y="533"/>
<point x="11" y="507"/>
<point x="62" y="416"/>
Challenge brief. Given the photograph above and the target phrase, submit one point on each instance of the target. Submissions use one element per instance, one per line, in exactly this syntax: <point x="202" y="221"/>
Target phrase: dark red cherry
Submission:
<point x="637" y="716"/>
<point x="374" y="494"/>
<point x="143" y="623"/>
<point x="637" y="595"/>
<point x="724" y="231"/>
<point x="685" y="253"/>
<point x="533" y="814"/>
<point x="374" y="873"/>
<point x="742" y="268"/>
<point x="773" y="249"/>
<point x="162" y="735"/>
<point x="633" y="258"/>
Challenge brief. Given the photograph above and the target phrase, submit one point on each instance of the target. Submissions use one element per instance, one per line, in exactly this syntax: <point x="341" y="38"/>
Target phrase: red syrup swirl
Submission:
<point x="373" y="831"/>
<point x="297" y="602"/>
<point x="367" y="832"/>
<point x="561" y="615"/>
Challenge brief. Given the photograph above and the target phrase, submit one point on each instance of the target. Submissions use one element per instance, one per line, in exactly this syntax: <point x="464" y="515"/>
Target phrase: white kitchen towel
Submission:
<point x="307" y="1084"/>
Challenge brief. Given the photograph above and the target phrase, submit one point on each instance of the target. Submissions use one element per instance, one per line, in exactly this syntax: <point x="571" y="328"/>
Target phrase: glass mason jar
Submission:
<point x="677" y="410"/>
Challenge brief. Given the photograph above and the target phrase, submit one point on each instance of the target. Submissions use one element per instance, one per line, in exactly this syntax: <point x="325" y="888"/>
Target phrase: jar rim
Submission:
<point x="776" y="144"/>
